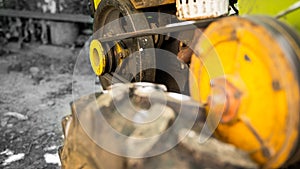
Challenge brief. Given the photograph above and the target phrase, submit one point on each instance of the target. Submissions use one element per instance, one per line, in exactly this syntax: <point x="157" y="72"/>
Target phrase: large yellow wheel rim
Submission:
<point x="257" y="64"/>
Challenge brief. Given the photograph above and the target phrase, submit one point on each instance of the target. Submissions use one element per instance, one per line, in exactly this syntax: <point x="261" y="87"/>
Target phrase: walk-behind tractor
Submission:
<point x="213" y="60"/>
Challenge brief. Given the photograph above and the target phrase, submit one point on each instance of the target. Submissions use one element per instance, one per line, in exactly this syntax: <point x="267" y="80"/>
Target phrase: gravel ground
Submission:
<point x="35" y="92"/>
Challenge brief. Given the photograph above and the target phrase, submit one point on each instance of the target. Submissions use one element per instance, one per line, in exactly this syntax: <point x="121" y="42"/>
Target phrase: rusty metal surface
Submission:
<point x="185" y="53"/>
<point x="138" y="4"/>
<point x="223" y="88"/>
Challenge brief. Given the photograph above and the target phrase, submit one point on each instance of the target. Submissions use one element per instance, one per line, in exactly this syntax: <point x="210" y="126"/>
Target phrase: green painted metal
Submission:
<point x="271" y="8"/>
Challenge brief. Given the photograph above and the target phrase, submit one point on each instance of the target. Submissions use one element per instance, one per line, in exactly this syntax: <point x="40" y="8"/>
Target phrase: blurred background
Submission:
<point x="40" y="41"/>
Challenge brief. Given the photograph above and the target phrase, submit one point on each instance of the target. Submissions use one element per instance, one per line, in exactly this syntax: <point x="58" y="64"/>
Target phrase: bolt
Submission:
<point x="276" y="85"/>
<point x="237" y="95"/>
<point x="247" y="58"/>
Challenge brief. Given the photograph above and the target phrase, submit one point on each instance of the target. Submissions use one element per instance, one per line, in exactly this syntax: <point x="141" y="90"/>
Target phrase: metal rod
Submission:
<point x="291" y="8"/>
<point x="176" y="27"/>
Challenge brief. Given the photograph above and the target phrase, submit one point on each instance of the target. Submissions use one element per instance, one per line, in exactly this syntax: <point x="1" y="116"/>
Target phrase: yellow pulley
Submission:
<point x="97" y="57"/>
<point x="247" y="69"/>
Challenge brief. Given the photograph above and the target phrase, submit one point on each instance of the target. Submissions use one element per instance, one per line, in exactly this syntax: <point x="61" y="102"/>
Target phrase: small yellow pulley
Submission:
<point x="97" y="57"/>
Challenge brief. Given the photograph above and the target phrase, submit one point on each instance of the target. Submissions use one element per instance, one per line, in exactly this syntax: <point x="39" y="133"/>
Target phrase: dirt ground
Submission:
<point x="35" y="92"/>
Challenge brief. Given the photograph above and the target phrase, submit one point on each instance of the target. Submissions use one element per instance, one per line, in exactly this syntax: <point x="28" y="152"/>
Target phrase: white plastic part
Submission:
<point x="201" y="9"/>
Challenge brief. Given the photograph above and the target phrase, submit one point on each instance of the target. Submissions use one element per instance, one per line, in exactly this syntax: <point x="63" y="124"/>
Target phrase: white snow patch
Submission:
<point x="52" y="158"/>
<point x="19" y="116"/>
<point x="50" y="148"/>
<point x="13" y="158"/>
<point x="7" y="152"/>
